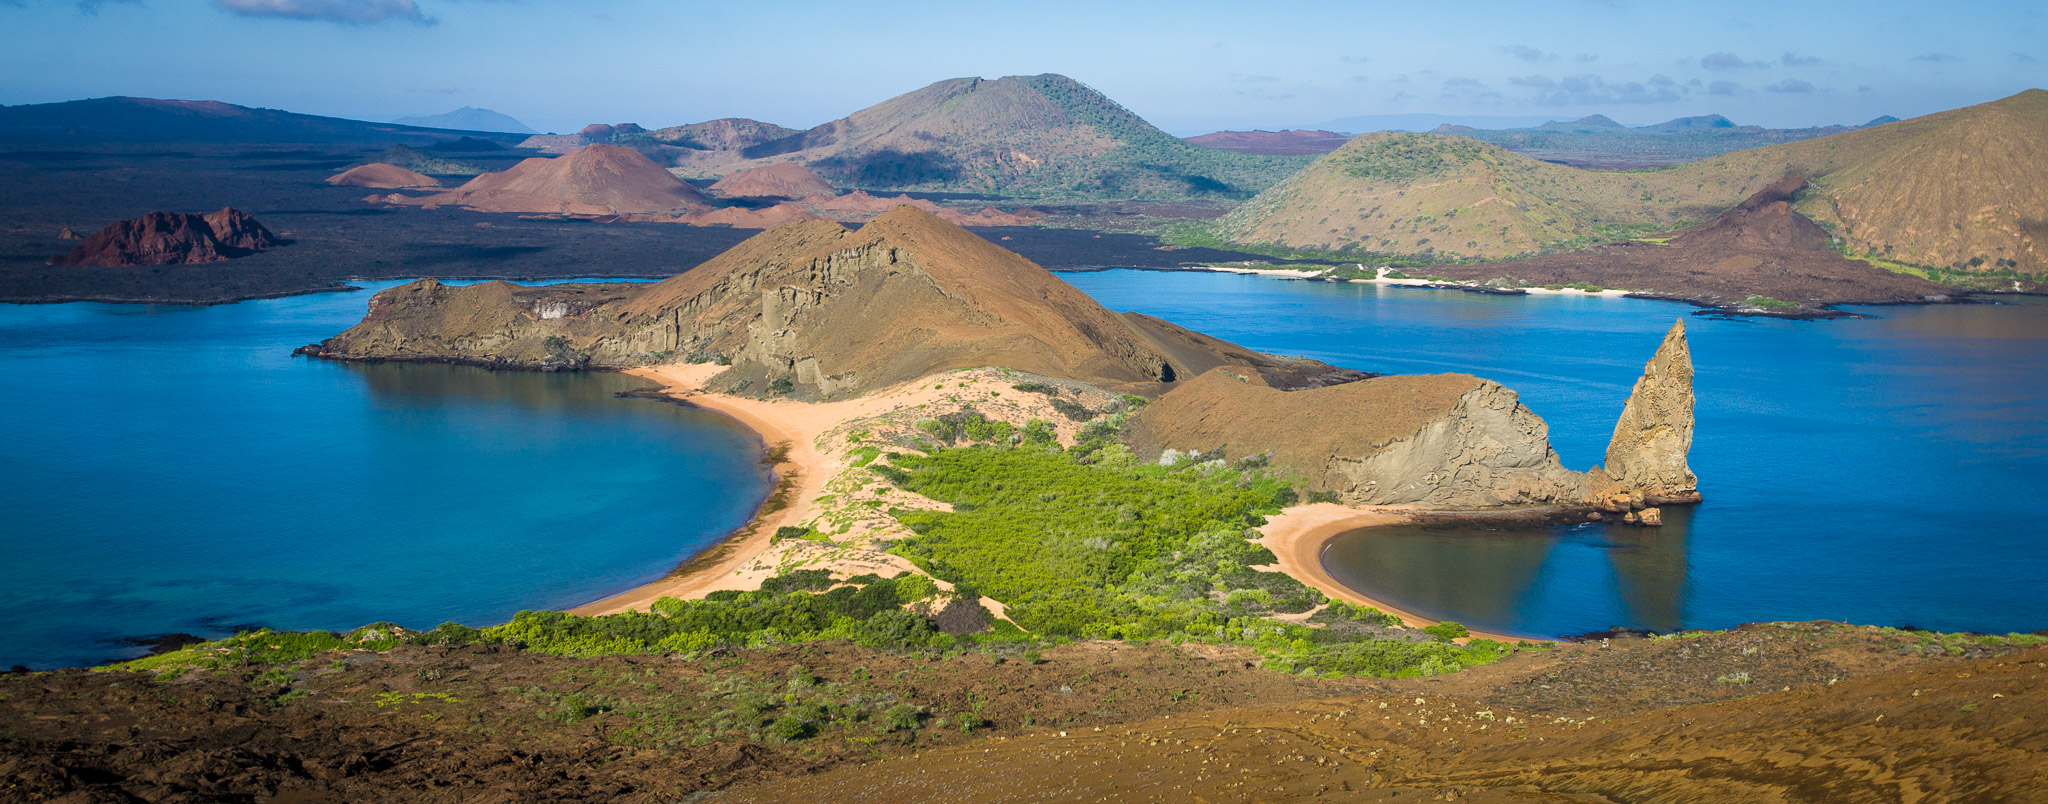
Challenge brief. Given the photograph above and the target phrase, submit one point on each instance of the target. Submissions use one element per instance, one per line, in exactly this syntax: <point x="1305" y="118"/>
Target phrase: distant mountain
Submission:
<point x="724" y="134"/>
<point x="1596" y="141"/>
<point x="1366" y="124"/>
<point x="1962" y="189"/>
<point x="1705" y="122"/>
<point x="150" y="120"/>
<point x="468" y="118"/>
<point x="1292" y="142"/>
<point x="1031" y="136"/>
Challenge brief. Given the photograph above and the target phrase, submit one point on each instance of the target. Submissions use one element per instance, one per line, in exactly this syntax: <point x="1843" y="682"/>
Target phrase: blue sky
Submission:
<point x="1187" y="66"/>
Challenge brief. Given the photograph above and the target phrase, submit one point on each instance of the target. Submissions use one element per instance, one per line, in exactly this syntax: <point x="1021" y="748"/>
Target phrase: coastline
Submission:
<point x="1297" y="537"/>
<point x="790" y="430"/>
<point x="800" y="476"/>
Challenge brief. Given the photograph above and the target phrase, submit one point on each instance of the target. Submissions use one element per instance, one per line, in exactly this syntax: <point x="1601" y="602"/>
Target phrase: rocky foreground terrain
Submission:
<point x="1813" y="712"/>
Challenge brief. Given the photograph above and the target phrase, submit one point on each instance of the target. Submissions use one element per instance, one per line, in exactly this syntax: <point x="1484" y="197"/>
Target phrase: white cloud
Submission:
<point x="1524" y="52"/>
<point x="353" y="12"/>
<point x="1728" y="61"/>
<point x="1585" y="90"/>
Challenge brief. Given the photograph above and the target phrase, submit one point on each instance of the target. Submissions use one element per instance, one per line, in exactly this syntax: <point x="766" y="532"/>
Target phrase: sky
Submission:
<point x="1188" y="66"/>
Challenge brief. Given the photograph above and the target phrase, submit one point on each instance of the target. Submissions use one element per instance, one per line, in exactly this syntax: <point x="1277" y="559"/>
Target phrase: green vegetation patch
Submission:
<point x="788" y="608"/>
<point x="1090" y="544"/>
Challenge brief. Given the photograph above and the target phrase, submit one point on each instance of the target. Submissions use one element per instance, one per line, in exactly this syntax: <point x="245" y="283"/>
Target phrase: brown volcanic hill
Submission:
<point x="779" y="180"/>
<point x="816" y="309"/>
<point x="1960" y="189"/>
<point x="1291" y="142"/>
<point x="381" y="176"/>
<point x="1761" y="247"/>
<point x="1439" y="439"/>
<point x="1017" y="136"/>
<point x="593" y="180"/>
<point x="170" y="238"/>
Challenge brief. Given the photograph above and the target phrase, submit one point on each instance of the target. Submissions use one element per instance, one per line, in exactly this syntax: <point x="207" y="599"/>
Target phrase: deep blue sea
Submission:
<point x="175" y="469"/>
<point x="1884" y="471"/>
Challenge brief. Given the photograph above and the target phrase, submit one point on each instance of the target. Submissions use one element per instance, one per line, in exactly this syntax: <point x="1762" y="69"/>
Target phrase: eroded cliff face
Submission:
<point x="1447" y="441"/>
<point x="1443" y="440"/>
<point x="1646" y="459"/>
<point x="1488" y="450"/>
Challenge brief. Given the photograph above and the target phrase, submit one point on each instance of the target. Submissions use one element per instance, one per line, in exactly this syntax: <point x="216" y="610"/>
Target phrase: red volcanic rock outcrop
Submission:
<point x="782" y="179"/>
<point x="172" y="238"/>
<point x="382" y="176"/>
<point x="238" y="232"/>
<point x="594" y="180"/>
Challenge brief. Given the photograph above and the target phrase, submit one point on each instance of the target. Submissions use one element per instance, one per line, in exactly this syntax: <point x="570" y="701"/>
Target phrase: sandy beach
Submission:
<point x="1298" y="534"/>
<point x="800" y="477"/>
<point x="804" y="473"/>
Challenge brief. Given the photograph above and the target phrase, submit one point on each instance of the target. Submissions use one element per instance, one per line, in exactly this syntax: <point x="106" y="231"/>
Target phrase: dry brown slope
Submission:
<point x="1761" y="247"/>
<point x="1943" y="189"/>
<point x="830" y="311"/>
<point x="593" y="180"/>
<point x="782" y="179"/>
<point x="381" y="176"/>
<point x="1950" y="732"/>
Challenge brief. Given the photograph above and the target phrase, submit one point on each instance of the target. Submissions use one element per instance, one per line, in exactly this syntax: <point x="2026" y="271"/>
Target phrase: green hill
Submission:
<point x="1964" y="189"/>
<point x="1045" y="136"/>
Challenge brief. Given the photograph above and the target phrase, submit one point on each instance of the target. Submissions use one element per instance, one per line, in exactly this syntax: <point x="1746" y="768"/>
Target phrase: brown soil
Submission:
<point x="594" y="180"/>
<point x="382" y="176"/>
<point x="779" y="180"/>
<point x="1761" y="247"/>
<point x="170" y="238"/>
<point x="1829" y="713"/>
<point x="495" y="724"/>
<point x="1292" y="142"/>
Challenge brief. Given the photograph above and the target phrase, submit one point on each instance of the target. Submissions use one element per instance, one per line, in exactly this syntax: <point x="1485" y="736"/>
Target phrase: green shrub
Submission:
<point x="901" y="717"/>
<point x="792" y="727"/>
<point x="1447" y="631"/>
<point x="449" y="634"/>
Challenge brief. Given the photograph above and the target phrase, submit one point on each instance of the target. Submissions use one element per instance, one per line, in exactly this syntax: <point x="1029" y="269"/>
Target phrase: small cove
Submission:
<point x="175" y="469"/>
<point x="1881" y="471"/>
